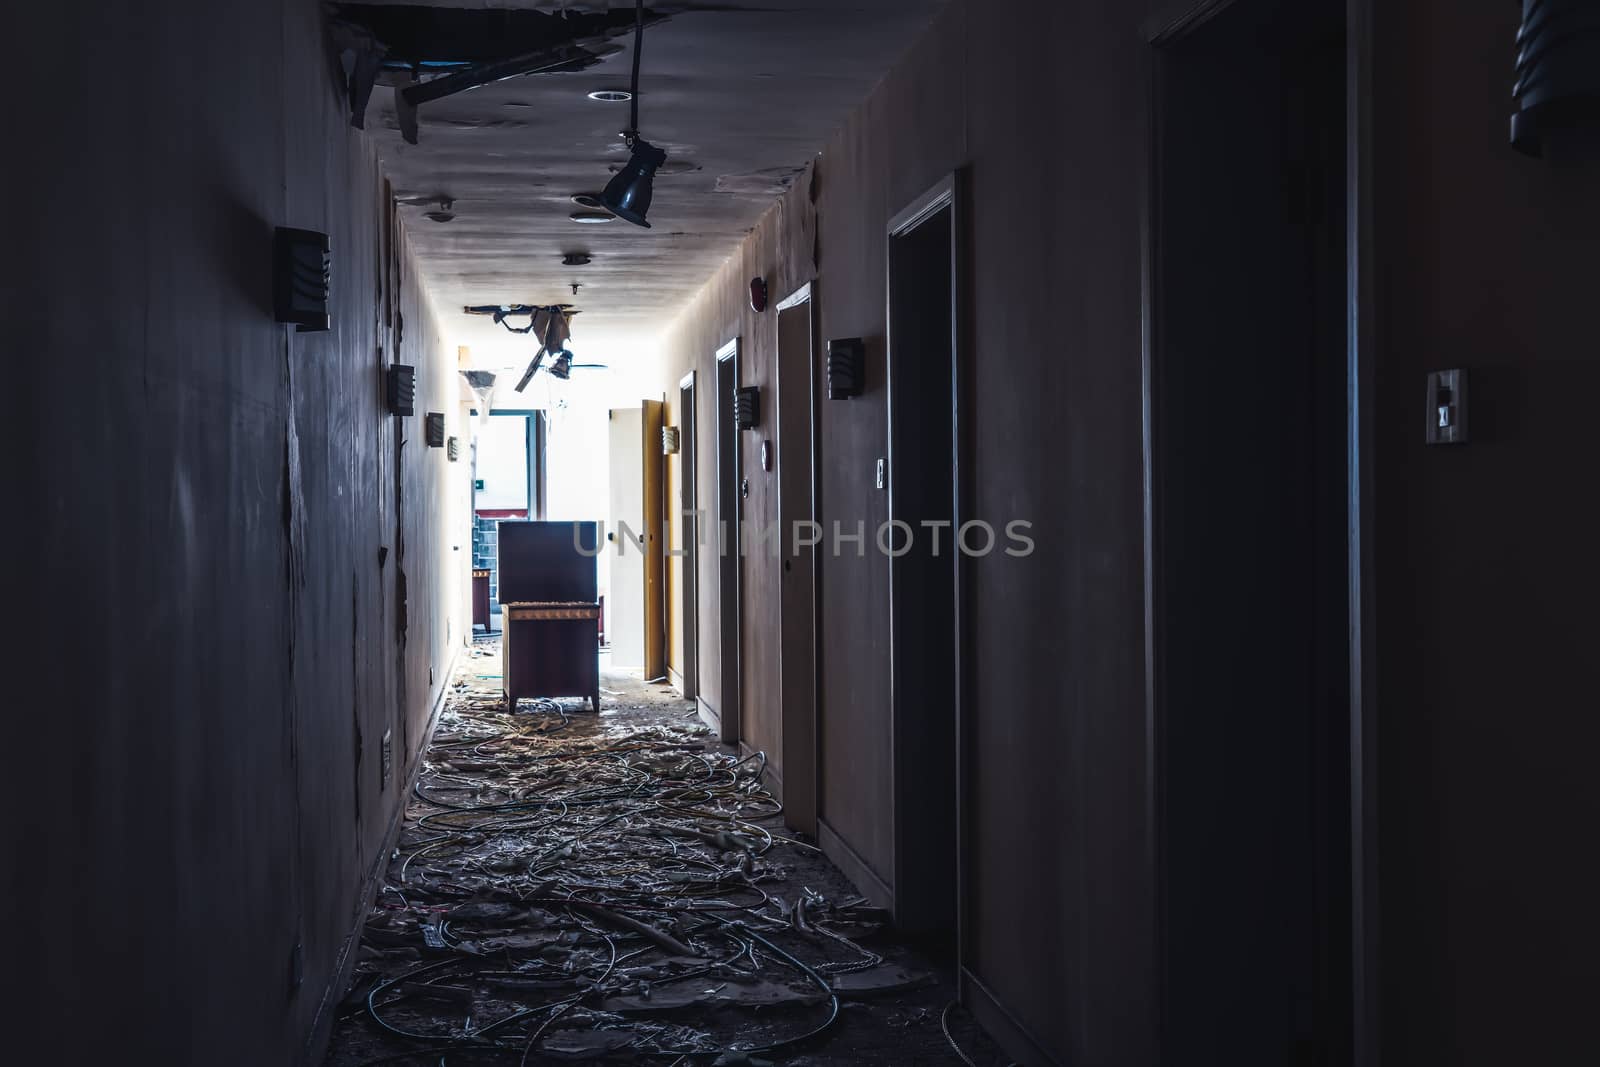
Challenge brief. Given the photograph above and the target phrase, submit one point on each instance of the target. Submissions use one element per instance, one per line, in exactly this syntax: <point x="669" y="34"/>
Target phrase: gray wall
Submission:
<point x="1061" y="900"/>
<point x="216" y="646"/>
<point x="1485" y="559"/>
<point x="1487" y="563"/>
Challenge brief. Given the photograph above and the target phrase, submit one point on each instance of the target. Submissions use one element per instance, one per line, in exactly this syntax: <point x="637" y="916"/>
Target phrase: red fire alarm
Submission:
<point x="758" y="294"/>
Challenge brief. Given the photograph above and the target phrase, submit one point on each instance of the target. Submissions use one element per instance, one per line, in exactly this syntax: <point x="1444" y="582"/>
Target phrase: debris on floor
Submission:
<point x="617" y="887"/>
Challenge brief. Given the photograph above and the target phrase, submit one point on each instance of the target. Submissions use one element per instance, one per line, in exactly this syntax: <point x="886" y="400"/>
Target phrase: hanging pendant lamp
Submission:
<point x="627" y="195"/>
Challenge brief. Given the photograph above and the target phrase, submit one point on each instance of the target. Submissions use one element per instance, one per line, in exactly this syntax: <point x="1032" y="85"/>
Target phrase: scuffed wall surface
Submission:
<point x="1061" y="906"/>
<point x="203" y="559"/>
<point x="1484" y="553"/>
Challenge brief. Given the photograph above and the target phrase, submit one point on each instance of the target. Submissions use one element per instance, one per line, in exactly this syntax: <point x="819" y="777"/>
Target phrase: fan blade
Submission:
<point x="533" y="368"/>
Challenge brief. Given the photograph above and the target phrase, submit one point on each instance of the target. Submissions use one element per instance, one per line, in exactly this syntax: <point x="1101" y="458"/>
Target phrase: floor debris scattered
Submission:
<point x="621" y="888"/>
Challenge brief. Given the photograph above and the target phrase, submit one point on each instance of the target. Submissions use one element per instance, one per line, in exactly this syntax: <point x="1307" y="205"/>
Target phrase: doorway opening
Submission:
<point x="689" y="525"/>
<point x="1249" y="489"/>
<point x="636" y="614"/>
<point x="508" y="482"/>
<point x="727" y="542"/>
<point x="797" y="579"/>
<point x="923" y="482"/>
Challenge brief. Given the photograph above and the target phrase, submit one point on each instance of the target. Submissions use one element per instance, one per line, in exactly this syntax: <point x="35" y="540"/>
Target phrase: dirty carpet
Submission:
<point x="572" y="887"/>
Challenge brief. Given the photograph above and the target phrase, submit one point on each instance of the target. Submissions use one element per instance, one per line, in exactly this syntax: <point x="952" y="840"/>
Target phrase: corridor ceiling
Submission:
<point x="741" y="94"/>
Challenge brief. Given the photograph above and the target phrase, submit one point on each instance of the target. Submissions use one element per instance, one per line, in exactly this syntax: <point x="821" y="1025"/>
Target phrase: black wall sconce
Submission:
<point x="301" y="276"/>
<point x="433" y="429"/>
<point x="1558" y="78"/>
<point x="846" y="360"/>
<point x="758" y="294"/>
<point x="747" y="407"/>
<point x="401" y="387"/>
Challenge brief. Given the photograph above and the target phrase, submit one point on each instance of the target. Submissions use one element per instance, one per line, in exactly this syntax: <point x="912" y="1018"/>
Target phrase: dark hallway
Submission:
<point x="1043" y="532"/>
<point x="560" y="857"/>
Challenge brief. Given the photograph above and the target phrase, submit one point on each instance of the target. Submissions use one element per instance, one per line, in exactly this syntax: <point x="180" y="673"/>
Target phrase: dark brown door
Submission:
<point x="1250" y="586"/>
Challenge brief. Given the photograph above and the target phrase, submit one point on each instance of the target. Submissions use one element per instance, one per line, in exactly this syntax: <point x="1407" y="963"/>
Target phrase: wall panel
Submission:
<point x="202" y="556"/>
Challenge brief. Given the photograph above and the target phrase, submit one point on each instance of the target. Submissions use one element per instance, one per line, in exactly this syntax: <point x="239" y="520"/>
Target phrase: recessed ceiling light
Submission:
<point x="592" y="217"/>
<point x="611" y="96"/>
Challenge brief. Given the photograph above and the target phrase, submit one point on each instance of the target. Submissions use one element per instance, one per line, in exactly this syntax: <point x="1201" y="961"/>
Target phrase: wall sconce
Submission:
<point x="758" y="294"/>
<point x="747" y="407"/>
<point x="402" y="389"/>
<point x="452" y="448"/>
<point x="846" y="358"/>
<point x="301" y="277"/>
<point x="1558" y="77"/>
<point x="434" y="429"/>
<point x="669" y="440"/>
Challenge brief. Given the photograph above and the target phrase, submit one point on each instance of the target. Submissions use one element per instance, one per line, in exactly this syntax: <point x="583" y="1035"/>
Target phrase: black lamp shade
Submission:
<point x="402" y="389"/>
<point x="845" y="359"/>
<point x="1558" y="78"/>
<point x="301" y="277"/>
<point x="627" y="195"/>
<point x="747" y="407"/>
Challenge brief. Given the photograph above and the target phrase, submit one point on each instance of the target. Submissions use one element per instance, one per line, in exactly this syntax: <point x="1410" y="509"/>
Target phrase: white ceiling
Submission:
<point x="745" y="91"/>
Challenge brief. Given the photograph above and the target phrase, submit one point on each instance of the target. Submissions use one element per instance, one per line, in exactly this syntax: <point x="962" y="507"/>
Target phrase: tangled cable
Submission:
<point x="581" y="890"/>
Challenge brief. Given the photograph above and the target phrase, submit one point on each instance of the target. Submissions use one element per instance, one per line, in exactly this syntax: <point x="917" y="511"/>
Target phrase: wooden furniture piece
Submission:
<point x="550" y="651"/>
<point x="480" y="597"/>
<point x="550" y="608"/>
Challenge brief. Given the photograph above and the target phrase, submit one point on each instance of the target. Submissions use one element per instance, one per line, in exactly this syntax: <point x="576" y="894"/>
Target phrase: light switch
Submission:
<point x="1447" y="407"/>
<point x="882" y="479"/>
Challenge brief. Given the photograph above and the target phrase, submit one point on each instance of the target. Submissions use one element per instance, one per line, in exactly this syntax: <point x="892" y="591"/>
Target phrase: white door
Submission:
<point x="625" y="607"/>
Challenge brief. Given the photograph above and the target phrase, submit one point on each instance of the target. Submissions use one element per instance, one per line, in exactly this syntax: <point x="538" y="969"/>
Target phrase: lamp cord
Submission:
<point x="638" y="47"/>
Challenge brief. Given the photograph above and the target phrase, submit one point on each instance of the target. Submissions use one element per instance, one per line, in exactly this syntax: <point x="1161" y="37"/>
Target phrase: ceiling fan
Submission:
<point x="549" y="323"/>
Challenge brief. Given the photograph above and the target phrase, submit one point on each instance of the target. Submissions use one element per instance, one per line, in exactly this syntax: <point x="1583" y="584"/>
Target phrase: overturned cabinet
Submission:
<point x="551" y="611"/>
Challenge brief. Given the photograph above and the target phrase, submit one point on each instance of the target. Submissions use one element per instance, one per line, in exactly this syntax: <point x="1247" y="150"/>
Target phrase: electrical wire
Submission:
<point x="549" y="874"/>
<point x="638" y="51"/>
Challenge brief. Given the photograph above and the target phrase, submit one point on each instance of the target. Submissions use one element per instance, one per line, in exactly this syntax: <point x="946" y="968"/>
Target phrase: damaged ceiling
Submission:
<point x="740" y="93"/>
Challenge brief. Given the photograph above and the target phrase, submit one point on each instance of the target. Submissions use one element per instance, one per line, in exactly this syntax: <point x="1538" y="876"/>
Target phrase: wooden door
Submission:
<point x="625" y="526"/>
<point x="653" y="485"/>
<point x="797" y="662"/>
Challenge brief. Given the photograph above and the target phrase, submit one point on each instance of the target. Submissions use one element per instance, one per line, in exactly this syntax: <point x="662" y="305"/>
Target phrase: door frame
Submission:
<point x="729" y="623"/>
<point x="949" y="193"/>
<point x="800" y="734"/>
<point x="654" y="482"/>
<point x="689" y="536"/>
<point x="1177" y="19"/>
